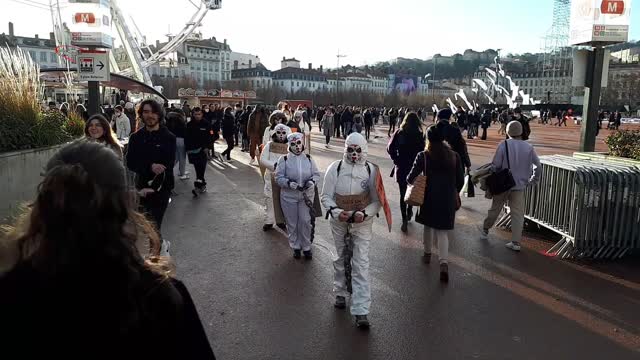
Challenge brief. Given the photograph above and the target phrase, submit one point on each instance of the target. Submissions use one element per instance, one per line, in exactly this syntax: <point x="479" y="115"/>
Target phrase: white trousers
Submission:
<point x="298" y="218"/>
<point x="362" y="234"/>
<point x="442" y="242"/>
<point x="269" y="215"/>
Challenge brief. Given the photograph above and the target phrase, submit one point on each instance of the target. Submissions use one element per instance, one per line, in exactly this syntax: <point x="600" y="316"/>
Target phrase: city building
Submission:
<point x="209" y="60"/>
<point x="292" y="78"/>
<point x="41" y="50"/>
<point x="243" y="61"/>
<point x="253" y="78"/>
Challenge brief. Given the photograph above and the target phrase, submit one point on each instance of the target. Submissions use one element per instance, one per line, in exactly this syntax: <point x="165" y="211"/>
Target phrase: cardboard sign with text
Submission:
<point x="382" y="197"/>
<point x="278" y="148"/>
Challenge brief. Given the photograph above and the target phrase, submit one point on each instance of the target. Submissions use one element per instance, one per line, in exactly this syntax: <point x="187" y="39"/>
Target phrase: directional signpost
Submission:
<point x="93" y="66"/>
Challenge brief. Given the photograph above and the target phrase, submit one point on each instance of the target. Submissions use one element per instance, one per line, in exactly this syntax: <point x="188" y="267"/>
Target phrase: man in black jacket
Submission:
<point x="453" y="136"/>
<point x="151" y="155"/>
<point x="197" y="140"/>
<point x="347" y="121"/>
<point x="244" y="121"/>
<point x="485" y="122"/>
<point x="524" y="121"/>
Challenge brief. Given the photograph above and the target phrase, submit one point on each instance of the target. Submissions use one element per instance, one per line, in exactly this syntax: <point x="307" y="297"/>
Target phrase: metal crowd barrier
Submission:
<point x="593" y="204"/>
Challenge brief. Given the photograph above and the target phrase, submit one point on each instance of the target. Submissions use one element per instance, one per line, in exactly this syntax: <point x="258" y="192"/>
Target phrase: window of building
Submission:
<point x="53" y="57"/>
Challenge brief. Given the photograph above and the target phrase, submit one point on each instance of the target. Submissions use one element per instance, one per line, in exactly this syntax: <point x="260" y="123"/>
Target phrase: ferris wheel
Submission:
<point x="139" y="53"/>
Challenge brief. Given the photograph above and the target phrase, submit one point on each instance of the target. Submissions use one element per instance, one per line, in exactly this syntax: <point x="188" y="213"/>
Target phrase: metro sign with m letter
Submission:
<point x="88" y="18"/>
<point x="612" y="7"/>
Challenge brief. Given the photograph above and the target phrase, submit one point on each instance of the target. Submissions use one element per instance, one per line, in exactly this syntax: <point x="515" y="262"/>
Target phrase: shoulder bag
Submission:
<point x="415" y="192"/>
<point x="501" y="181"/>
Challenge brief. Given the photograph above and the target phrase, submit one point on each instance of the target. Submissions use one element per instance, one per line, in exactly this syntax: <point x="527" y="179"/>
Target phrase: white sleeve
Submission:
<point x="264" y="158"/>
<point x="374" y="207"/>
<point x="281" y="170"/>
<point x="329" y="191"/>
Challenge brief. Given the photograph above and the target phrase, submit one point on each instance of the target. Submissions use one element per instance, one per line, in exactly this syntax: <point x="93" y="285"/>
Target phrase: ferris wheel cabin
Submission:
<point x="214" y="4"/>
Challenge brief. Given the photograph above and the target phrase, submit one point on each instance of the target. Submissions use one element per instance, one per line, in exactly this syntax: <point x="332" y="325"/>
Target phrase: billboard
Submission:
<point x="406" y="84"/>
<point x="599" y="21"/>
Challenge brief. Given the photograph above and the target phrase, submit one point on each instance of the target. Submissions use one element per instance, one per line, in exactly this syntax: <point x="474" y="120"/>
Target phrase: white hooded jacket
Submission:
<point x="353" y="179"/>
<point x="299" y="169"/>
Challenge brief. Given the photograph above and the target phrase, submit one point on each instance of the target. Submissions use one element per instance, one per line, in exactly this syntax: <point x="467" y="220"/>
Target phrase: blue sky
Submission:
<point x="366" y="31"/>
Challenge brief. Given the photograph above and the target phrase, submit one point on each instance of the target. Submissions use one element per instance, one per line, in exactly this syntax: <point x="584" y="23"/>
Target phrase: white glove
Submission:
<point x="293" y="185"/>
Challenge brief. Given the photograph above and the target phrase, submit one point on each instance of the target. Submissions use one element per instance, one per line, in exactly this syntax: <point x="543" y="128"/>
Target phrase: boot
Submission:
<point x="340" y="303"/>
<point x="404" y="226"/>
<point x="296" y="254"/>
<point x="362" y="322"/>
<point x="307" y="255"/>
<point x="267" y="227"/>
<point x="444" y="272"/>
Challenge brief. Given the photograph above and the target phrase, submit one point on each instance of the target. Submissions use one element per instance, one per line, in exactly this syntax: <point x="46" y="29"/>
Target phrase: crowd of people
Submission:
<point x="87" y="181"/>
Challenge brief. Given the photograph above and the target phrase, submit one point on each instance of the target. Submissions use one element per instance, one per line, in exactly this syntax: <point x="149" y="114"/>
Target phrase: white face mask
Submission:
<point x="281" y="136"/>
<point x="296" y="146"/>
<point x="354" y="154"/>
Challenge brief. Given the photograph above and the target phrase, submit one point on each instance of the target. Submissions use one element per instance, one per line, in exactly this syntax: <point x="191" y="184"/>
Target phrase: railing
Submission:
<point x="593" y="204"/>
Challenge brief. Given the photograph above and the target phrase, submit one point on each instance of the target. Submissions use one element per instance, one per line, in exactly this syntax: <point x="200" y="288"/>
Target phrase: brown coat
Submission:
<point x="257" y="124"/>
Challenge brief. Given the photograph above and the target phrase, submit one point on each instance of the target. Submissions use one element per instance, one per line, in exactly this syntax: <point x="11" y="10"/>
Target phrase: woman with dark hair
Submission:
<point x="228" y="131"/>
<point x="78" y="284"/>
<point x="97" y="129"/>
<point x="445" y="178"/>
<point x="403" y="148"/>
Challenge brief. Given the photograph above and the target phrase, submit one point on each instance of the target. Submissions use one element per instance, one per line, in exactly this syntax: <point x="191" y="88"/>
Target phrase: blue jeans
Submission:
<point x="181" y="155"/>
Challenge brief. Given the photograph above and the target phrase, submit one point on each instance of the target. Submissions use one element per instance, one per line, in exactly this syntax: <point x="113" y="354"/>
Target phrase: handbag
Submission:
<point x="415" y="192"/>
<point x="501" y="181"/>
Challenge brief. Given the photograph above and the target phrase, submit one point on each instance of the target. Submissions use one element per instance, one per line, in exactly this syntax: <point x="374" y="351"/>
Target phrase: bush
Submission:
<point x="22" y="124"/>
<point x="74" y="125"/>
<point x="624" y="143"/>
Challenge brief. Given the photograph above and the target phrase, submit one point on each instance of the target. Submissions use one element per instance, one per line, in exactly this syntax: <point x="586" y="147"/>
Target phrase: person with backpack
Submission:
<point x="523" y="165"/>
<point x="349" y="195"/>
<point x="297" y="175"/>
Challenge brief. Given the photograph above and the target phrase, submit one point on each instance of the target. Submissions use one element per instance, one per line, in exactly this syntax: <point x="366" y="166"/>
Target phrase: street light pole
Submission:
<point x="338" y="56"/>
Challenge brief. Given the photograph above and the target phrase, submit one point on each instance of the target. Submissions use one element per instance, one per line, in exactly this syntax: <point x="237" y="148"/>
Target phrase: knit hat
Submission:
<point x="514" y="129"/>
<point x="445" y="114"/>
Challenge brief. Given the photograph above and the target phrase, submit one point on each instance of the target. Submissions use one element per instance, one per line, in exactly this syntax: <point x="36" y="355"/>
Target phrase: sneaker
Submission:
<point x="203" y="189"/>
<point x="184" y="177"/>
<point x="327" y="146"/>
<point x="296" y="254"/>
<point x="444" y="272"/>
<point x="187" y="172"/>
<point x="513" y="246"/>
<point x="426" y="258"/>
<point x="484" y="234"/>
<point x="195" y="193"/>
<point x="340" y="303"/>
<point x="164" y="248"/>
<point x="252" y="162"/>
<point x="267" y="227"/>
<point x="362" y="322"/>
<point x="307" y="255"/>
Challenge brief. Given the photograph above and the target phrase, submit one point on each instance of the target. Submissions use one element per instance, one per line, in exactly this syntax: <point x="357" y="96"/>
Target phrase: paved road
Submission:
<point x="257" y="302"/>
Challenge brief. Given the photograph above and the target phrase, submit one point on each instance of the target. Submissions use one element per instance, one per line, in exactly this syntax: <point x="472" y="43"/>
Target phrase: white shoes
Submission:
<point x="184" y="177"/>
<point x="252" y="162"/>
<point x="513" y="246"/>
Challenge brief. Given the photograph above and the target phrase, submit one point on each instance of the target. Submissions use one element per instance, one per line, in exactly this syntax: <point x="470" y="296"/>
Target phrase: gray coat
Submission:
<point x="327" y="125"/>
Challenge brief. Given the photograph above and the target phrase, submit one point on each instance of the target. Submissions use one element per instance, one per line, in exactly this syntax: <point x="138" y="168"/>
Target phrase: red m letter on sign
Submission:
<point x="614" y="7"/>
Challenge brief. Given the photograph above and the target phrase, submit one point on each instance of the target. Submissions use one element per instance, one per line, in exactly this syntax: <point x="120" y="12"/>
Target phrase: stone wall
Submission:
<point x="20" y="175"/>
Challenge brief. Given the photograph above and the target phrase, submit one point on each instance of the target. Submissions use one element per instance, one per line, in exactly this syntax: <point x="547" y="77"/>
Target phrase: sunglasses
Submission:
<point x="352" y="150"/>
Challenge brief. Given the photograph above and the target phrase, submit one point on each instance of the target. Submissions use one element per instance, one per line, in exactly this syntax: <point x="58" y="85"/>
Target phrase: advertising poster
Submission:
<point x="599" y="21"/>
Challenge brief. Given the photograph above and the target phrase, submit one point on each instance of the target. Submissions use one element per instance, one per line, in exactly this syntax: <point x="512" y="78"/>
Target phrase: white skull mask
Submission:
<point x="296" y="143"/>
<point x="355" y="149"/>
<point x="281" y="132"/>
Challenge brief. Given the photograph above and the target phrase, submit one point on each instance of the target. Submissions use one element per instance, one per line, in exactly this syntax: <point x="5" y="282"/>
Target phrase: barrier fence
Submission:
<point x="593" y="204"/>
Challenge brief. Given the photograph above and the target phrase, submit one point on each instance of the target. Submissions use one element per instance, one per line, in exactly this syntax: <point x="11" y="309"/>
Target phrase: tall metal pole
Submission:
<point x="433" y="90"/>
<point x="595" y="67"/>
<point x="338" y="56"/>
